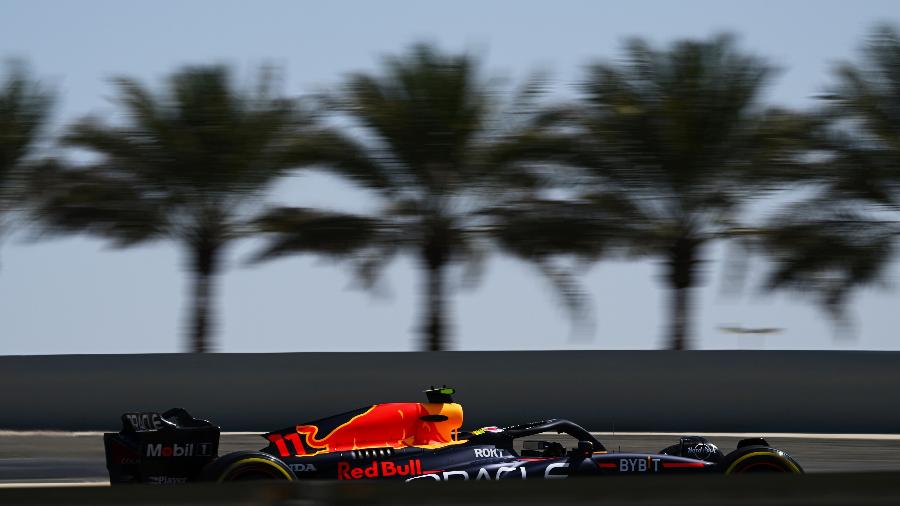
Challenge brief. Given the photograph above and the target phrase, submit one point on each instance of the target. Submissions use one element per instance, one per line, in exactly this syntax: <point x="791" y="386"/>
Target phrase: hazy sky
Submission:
<point x="78" y="296"/>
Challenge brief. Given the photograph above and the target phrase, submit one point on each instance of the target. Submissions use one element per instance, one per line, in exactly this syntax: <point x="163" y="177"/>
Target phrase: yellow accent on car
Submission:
<point x="759" y="454"/>
<point x="280" y="469"/>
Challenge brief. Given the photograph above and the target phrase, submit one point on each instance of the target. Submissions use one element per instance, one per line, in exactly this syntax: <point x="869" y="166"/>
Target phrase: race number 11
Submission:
<point x="281" y="442"/>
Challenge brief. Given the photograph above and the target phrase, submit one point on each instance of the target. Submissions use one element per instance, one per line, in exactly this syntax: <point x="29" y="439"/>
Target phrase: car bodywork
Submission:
<point x="405" y="441"/>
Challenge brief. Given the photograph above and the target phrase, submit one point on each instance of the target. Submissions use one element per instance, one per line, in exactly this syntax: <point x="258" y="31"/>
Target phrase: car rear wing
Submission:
<point x="172" y="447"/>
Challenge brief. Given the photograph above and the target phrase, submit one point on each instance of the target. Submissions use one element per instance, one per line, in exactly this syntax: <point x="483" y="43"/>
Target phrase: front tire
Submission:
<point x="760" y="459"/>
<point x="247" y="466"/>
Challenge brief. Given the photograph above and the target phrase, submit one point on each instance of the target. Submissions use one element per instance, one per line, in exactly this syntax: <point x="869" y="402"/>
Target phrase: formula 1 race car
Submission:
<point x="405" y="441"/>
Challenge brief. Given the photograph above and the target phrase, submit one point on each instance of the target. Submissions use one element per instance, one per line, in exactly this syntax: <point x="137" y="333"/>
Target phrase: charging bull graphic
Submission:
<point x="391" y="425"/>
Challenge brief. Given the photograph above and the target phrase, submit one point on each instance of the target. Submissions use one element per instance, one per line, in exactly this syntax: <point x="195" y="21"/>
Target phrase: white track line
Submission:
<point x="55" y="484"/>
<point x="49" y="433"/>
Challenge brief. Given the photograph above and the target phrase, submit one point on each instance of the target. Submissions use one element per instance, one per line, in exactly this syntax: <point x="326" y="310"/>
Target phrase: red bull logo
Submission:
<point x="393" y="425"/>
<point x="346" y="471"/>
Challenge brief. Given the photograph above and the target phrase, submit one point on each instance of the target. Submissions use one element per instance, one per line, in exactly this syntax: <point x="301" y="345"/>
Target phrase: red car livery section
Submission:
<point x="390" y="425"/>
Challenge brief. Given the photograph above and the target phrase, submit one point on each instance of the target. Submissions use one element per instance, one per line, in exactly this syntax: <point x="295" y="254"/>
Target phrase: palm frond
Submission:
<point x="292" y="230"/>
<point x="539" y="229"/>
<point x="89" y="200"/>
<point x="335" y="152"/>
<point x="25" y="106"/>
<point x="828" y="251"/>
<point x="428" y="109"/>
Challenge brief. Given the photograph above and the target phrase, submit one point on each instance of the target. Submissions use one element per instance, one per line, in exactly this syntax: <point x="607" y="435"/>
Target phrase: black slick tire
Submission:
<point x="247" y="466"/>
<point x="760" y="459"/>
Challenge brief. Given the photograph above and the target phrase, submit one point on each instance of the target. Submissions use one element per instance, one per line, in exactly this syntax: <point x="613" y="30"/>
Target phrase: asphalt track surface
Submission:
<point x="69" y="458"/>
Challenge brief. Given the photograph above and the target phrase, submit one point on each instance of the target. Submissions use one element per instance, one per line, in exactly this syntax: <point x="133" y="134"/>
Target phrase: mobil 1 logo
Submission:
<point x="167" y="450"/>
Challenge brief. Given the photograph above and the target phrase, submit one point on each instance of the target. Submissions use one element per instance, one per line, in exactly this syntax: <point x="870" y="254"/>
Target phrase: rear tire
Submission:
<point x="760" y="459"/>
<point x="247" y="466"/>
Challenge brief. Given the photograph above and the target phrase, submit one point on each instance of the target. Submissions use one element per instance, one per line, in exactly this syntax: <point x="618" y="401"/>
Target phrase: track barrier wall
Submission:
<point x="702" y="391"/>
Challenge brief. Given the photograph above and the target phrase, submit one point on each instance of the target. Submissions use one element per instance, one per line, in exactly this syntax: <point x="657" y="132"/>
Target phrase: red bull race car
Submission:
<point x="406" y="441"/>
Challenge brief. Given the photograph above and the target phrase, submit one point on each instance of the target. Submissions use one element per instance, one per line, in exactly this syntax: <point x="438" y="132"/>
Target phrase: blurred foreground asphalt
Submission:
<point x="810" y="489"/>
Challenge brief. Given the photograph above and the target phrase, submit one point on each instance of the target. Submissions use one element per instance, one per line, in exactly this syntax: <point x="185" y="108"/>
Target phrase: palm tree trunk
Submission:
<point x="681" y="276"/>
<point x="203" y="279"/>
<point x="435" y="327"/>
<point x="679" y="306"/>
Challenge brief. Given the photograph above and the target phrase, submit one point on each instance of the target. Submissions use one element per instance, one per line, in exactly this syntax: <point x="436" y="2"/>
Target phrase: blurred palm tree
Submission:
<point x="24" y="108"/>
<point x="425" y="134"/>
<point x="844" y="236"/>
<point x="668" y="147"/>
<point x="189" y="164"/>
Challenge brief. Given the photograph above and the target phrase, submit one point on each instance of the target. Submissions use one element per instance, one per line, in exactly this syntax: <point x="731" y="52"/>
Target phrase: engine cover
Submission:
<point x="695" y="447"/>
